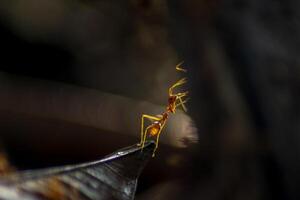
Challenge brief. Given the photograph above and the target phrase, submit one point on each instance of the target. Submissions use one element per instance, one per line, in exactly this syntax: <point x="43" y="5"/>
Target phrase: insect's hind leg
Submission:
<point x="157" y="140"/>
<point x="142" y="131"/>
<point x="144" y="138"/>
<point x="156" y="144"/>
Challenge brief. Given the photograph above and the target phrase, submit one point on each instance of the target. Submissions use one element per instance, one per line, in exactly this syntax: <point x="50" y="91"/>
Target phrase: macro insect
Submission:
<point x="158" y="122"/>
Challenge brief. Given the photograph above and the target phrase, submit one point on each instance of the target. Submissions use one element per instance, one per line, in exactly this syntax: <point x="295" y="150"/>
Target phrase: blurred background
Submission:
<point x="76" y="75"/>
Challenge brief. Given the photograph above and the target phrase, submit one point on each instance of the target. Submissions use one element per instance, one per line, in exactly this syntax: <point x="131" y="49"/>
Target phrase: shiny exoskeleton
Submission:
<point x="159" y="121"/>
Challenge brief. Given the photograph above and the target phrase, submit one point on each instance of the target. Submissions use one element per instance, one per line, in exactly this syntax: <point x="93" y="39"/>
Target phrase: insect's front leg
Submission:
<point x="181" y="102"/>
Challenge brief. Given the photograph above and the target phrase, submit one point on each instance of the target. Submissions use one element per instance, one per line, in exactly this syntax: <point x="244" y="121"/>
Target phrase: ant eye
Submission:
<point x="171" y="100"/>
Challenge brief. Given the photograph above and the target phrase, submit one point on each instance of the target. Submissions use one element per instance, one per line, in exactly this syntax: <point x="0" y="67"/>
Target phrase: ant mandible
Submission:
<point x="159" y="121"/>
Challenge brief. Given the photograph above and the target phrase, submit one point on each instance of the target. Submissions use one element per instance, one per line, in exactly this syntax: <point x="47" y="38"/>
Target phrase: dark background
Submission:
<point x="244" y="81"/>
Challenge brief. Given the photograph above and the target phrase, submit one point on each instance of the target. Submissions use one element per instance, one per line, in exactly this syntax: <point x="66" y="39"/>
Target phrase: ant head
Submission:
<point x="172" y="103"/>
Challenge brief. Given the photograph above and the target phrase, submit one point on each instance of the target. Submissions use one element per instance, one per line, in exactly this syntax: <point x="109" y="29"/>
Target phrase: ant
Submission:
<point x="159" y="121"/>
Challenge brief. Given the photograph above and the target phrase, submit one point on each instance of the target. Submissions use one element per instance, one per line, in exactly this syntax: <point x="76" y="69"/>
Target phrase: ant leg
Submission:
<point x="156" y="144"/>
<point x="145" y="136"/>
<point x="157" y="139"/>
<point x="182" y="103"/>
<point x="142" y="125"/>
<point x="182" y="94"/>
<point x="142" y="130"/>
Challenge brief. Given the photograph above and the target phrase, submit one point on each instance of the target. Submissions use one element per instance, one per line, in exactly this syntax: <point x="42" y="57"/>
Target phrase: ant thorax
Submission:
<point x="165" y="116"/>
<point x="171" y="103"/>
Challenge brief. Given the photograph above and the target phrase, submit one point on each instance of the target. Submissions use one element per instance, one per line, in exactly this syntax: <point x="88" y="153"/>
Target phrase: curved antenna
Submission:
<point x="181" y="81"/>
<point x="179" y="68"/>
<point x="178" y="83"/>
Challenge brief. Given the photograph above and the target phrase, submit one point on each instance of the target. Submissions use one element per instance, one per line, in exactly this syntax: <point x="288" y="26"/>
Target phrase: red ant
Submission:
<point x="159" y="121"/>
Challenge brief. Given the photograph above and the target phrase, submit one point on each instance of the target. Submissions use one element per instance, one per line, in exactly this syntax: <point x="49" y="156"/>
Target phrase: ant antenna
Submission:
<point x="179" y="68"/>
